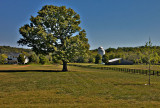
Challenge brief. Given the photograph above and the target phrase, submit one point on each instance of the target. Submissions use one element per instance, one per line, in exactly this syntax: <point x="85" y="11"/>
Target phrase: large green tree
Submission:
<point x="55" y="30"/>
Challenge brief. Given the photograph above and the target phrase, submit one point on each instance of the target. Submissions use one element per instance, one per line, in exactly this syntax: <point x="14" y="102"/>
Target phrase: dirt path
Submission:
<point x="21" y="66"/>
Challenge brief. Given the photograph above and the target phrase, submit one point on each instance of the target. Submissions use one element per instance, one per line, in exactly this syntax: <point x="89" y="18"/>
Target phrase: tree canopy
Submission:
<point x="55" y="30"/>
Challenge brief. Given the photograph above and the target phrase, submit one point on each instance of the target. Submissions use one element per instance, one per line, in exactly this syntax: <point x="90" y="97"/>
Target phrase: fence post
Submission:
<point x="146" y="72"/>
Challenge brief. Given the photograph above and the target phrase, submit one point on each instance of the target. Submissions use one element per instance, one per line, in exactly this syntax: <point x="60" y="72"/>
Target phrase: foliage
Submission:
<point x="98" y="59"/>
<point x="42" y="59"/>
<point x="53" y="31"/>
<point x="3" y="58"/>
<point x="32" y="58"/>
<point x="37" y="60"/>
<point x="82" y="58"/>
<point x="105" y="59"/>
<point x="91" y="59"/>
<point x="55" y="60"/>
<point x="21" y="58"/>
<point x="139" y="55"/>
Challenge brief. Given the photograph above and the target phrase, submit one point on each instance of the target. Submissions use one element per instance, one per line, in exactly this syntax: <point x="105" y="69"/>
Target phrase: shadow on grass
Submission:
<point x="31" y="71"/>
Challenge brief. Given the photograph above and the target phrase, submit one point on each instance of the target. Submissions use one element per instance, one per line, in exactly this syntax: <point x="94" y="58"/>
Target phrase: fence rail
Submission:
<point x="135" y="71"/>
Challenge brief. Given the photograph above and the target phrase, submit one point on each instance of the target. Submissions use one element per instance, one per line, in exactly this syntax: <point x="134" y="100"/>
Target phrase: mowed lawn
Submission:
<point x="80" y="87"/>
<point x="143" y="67"/>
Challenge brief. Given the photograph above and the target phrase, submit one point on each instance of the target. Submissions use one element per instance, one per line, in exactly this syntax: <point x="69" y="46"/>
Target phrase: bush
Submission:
<point x="91" y="60"/>
<point x="42" y="59"/>
<point x="105" y="59"/>
<point x="32" y="58"/>
<point x="21" y="58"/>
<point x="3" y="59"/>
<point x="98" y="59"/>
<point x="82" y="59"/>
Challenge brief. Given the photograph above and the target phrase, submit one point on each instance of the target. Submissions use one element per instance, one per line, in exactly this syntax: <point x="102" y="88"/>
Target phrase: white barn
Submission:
<point x="119" y="61"/>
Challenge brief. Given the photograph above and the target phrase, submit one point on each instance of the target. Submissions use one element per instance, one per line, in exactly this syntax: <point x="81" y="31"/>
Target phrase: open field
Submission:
<point x="143" y="67"/>
<point x="80" y="87"/>
<point x="30" y="67"/>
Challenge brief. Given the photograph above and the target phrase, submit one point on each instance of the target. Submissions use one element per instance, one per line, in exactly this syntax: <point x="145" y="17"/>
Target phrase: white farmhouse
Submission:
<point x="26" y="60"/>
<point x="13" y="58"/>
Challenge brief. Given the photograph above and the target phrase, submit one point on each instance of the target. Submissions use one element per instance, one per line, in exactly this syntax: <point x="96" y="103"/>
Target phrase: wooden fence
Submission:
<point x="135" y="71"/>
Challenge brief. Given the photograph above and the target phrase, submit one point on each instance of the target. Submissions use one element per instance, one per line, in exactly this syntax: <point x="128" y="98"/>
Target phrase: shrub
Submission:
<point x="42" y="59"/>
<point x="32" y="58"/>
<point x="21" y="58"/>
<point x="91" y="60"/>
<point x="105" y="59"/>
<point x="98" y="59"/>
<point x="3" y="59"/>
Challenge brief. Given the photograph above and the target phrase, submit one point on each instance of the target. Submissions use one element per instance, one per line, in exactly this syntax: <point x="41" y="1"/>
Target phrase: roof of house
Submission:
<point x="115" y="59"/>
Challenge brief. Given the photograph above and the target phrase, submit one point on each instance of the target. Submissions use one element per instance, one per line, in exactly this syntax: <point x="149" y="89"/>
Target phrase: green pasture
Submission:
<point x="80" y="87"/>
<point x="143" y="67"/>
<point x="31" y="67"/>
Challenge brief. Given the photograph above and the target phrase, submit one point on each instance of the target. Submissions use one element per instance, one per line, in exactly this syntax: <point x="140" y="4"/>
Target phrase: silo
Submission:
<point x="101" y="51"/>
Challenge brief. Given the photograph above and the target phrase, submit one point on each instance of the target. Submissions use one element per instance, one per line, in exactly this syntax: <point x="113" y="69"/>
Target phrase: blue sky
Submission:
<point x="108" y="23"/>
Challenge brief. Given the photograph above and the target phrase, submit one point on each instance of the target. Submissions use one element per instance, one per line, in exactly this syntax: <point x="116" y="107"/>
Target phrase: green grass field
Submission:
<point x="143" y="67"/>
<point x="80" y="87"/>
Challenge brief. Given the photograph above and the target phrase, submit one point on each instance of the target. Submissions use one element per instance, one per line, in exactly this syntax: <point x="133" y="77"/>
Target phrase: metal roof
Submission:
<point x="115" y="59"/>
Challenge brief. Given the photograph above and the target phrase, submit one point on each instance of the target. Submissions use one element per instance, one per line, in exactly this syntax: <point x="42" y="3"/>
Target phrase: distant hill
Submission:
<point x="8" y="49"/>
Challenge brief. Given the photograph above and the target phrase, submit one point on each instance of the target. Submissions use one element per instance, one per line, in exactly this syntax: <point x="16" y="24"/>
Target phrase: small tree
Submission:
<point x="91" y="59"/>
<point x="3" y="59"/>
<point x="42" y="59"/>
<point x="37" y="59"/>
<point x="82" y="58"/>
<point x="98" y="59"/>
<point x="21" y="58"/>
<point x="32" y="58"/>
<point x="105" y="59"/>
<point x="149" y="54"/>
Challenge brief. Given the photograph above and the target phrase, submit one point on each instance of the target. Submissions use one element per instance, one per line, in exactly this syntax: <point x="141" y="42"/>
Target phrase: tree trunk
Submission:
<point x="64" y="66"/>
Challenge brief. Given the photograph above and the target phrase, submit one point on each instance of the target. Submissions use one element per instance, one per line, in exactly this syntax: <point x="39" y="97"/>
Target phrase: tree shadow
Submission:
<point x="31" y="71"/>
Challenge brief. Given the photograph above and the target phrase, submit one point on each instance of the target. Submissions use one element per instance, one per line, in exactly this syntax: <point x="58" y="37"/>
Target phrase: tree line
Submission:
<point x="138" y="55"/>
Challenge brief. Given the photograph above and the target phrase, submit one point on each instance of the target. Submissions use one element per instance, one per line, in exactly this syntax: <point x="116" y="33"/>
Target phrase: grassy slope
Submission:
<point x="81" y="87"/>
<point x="144" y="67"/>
